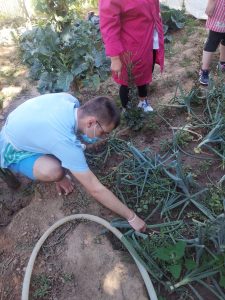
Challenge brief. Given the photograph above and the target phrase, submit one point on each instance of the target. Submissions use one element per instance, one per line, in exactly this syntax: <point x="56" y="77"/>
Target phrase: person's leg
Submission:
<point x="210" y="47"/>
<point x="39" y="166"/>
<point x="44" y="168"/>
<point x="124" y="95"/>
<point x="154" y="59"/>
<point x="222" y="55"/>
<point x="143" y="102"/>
<point x="48" y="168"/>
<point x="142" y="91"/>
<point x="206" y="60"/>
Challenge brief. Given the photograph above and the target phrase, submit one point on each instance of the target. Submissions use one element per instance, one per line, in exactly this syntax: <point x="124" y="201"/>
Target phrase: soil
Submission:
<point x="78" y="261"/>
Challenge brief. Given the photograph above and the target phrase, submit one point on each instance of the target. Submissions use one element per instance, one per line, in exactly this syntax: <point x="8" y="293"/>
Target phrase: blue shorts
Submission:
<point x="25" y="166"/>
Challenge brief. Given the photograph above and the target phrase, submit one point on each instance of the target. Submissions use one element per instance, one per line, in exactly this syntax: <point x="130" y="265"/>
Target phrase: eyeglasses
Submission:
<point x="103" y="131"/>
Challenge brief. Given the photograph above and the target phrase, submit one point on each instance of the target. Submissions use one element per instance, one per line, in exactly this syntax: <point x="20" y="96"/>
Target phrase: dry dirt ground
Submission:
<point x="77" y="261"/>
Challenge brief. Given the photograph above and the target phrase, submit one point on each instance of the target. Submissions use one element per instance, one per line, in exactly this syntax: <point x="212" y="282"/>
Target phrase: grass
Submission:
<point x="191" y="24"/>
<point x="186" y="61"/>
<point x="170" y="50"/>
<point x="42" y="285"/>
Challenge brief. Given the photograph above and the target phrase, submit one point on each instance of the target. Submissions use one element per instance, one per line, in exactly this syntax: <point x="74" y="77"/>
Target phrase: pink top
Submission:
<point x="127" y="28"/>
<point x="217" y="21"/>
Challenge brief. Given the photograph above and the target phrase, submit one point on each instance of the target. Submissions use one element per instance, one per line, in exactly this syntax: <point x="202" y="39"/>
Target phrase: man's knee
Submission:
<point x="48" y="168"/>
<point x="54" y="173"/>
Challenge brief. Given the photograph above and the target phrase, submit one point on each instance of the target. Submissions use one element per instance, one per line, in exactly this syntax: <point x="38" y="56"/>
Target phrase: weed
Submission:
<point x="98" y="240"/>
<point x="42" y="286"/>
<point x="166" y="145"/>
<point x="170" y="50"/>
<point x="191" y="74"/>
<point x="191" y="24"/>
<point x="196" y="215"/>
<point x="134" y="117"/>
<point x="183" y="39"/>
<point x="172" y="255"/>
<point x="186" y="61"/>
<point x="169" y="82"/>
<point x="183" y="138"/>
<point x="204" y="166"/>
<point x="67" y="277"/>
<point x="150" y="122"/>
<point x="215" y="200"/>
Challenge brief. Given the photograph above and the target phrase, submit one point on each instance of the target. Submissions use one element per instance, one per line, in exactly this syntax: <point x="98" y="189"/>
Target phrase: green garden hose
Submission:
<point x="115" y="231"/>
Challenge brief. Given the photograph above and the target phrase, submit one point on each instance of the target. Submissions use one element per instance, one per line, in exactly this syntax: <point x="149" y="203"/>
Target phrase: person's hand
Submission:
<point x="137" y="223"/>
<point x="210" y="8"/>
<point x="116" y="65"/>
<point x="64" y="186"/>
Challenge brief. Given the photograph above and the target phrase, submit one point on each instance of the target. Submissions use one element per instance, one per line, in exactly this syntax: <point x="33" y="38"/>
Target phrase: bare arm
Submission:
<point x="210" y="7"/>
<point x="108" y="199"/>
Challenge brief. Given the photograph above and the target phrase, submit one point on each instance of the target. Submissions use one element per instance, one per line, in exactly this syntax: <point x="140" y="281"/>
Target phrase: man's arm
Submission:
<point x="210" y="7"/>
<point x="108" y="199"/>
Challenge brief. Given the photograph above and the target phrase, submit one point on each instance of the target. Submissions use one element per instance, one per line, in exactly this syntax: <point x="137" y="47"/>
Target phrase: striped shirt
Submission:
<point x="217" y="21"/>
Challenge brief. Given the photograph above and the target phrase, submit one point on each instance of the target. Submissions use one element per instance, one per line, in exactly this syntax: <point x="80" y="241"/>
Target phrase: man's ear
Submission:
<point x="91" y="121"/>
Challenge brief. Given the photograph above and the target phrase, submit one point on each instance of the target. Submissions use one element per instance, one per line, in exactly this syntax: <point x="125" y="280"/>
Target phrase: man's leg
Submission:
<point x="48" y="168"/>
<point x="45" y="168"/>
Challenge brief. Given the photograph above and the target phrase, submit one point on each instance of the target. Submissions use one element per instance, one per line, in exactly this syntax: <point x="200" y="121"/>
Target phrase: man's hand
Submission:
<point x="137" y="223"/>
<point x="116" y="65"/>
<point x="64" y="186"/>
<point x="210" y="8"/>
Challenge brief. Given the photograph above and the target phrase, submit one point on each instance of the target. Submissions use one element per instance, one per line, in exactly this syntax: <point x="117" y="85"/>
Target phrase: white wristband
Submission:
<point x="132" y="219"/>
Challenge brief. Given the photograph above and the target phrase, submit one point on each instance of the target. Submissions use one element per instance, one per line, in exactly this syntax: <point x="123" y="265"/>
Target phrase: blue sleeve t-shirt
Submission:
<point x="47" y="124"/>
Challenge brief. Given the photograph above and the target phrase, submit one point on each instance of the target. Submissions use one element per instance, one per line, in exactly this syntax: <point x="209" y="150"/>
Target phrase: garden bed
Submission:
<point x="158" y="170"/>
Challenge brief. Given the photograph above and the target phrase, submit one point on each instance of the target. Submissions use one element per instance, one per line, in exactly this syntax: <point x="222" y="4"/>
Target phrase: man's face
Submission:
<point x="96" y="129"/>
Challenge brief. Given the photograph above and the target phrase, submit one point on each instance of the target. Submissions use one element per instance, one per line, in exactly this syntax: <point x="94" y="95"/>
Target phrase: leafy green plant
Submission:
<point x="172" y="255"/>
<point x="57" y="58"/>
<point x="173" y="19"/>
<point x="63" y="49"/>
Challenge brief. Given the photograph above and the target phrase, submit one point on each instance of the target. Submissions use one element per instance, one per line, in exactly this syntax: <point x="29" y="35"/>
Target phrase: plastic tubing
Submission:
<point x="115" y="231"/>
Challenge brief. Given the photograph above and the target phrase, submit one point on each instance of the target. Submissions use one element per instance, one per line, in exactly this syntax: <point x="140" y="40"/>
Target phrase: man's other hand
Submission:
<point x="64" y="186"/>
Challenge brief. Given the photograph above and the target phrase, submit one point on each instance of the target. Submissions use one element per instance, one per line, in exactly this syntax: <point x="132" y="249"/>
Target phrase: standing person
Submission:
<point x="132" y="30"/>
<point x="40" y="140"/>
<point x="215" y="11"/>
